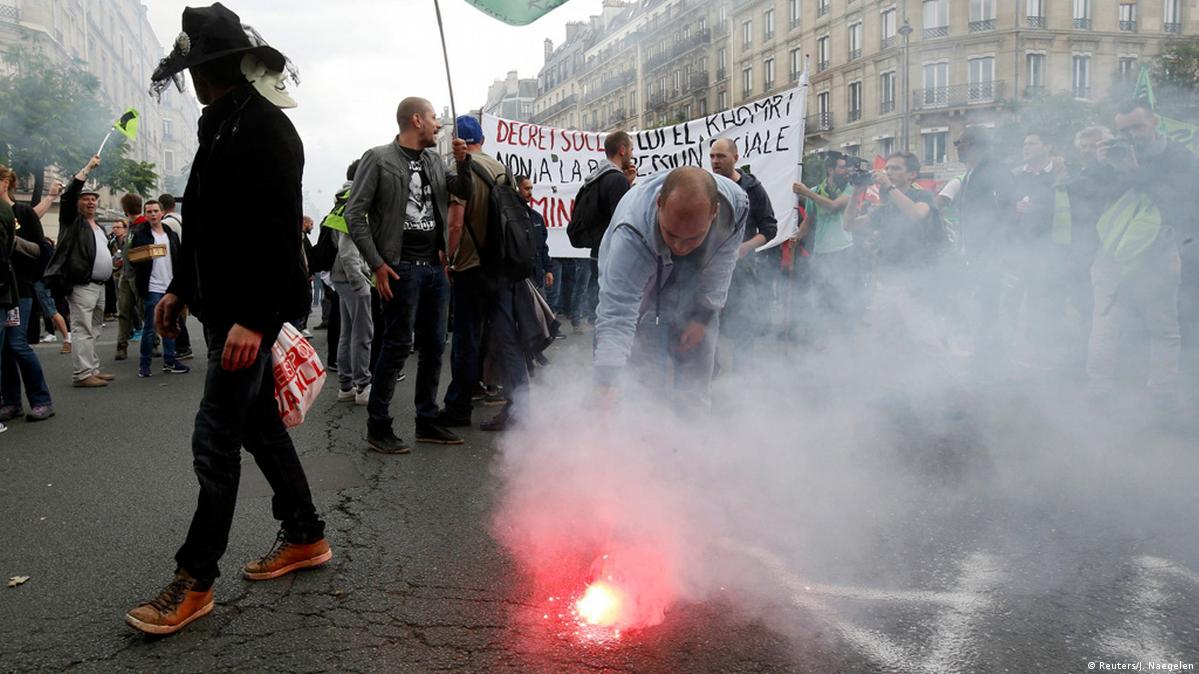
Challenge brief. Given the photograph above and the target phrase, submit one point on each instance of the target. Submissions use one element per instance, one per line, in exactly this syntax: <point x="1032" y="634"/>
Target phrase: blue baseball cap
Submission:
<point x="469" y="129"/>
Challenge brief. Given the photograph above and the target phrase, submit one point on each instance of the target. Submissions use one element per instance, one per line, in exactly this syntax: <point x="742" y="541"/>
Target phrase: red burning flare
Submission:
<point x="601" y="605"/>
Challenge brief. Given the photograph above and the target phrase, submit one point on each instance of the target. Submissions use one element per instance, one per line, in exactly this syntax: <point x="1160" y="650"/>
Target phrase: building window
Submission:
<point x="722" y="63"/>
<point x="822" y="54"/>
<point x="166" y="129"/>
<point x="768" y="24"/>
<point x="982" y="79"/>
<point x="1035" y="14"/>
<point x="1082" y="14"/>
<point x="747" y="34"/>
<point x="886" y="146"/>
<point x="1035" y="68"/>
<point x="821" y="8"/>
<point x="1172" y="17"/>
<point x="1127" y="68"/>
<point x="768" y="67"/>
<point x="934" y="146"/>
<point x="982" y="15"/>
<point x="936" y="84"/>
<point x="855" y="101"/>
<point x="747" y="81"/>
<point x="722" y="100"/>
<point x="855" y="40"/>
<point x="168" y="161"/>
<point x="795" y="62"/>
<point x="886" y="93"/>
<point x="936" y="18"/>
<point x="1082" y="77"/>
<point x="825" y="120"/>
<point x="1128" y="17"/>
<point x="793" y="13"/>
<point x="888" y="27"/>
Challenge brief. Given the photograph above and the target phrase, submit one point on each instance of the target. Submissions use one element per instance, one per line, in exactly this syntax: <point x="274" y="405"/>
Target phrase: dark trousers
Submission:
<point x="470" y="292"/>
<point x="419" y="304"/>
<point x="332" y="323"/>
<point x="505" y="349"/>
<point x="238" y="409"/>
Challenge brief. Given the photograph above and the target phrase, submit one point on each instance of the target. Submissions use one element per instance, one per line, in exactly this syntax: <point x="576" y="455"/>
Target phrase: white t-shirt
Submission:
<point x="162" y="271"/>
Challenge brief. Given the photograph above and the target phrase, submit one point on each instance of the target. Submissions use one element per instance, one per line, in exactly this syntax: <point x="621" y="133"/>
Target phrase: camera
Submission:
<point x="861" y="173"/>
<point x="1119" y="149"/>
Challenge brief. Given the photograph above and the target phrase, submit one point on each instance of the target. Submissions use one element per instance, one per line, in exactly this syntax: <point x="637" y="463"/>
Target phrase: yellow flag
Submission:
<point x="127" y="124"/>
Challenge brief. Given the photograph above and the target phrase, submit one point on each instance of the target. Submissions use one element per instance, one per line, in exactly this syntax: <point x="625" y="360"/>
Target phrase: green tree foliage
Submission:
<point x="1176" y="77"/>
<point x="52" y="117"/>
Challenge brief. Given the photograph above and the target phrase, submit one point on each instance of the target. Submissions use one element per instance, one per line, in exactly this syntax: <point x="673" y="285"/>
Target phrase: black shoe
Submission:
<point x="386" y="442"/>
<point x="184" y="355"/>
<point x="448" y="419"/>
<point x="498" y="423"/>
<point x="428" y="431"/>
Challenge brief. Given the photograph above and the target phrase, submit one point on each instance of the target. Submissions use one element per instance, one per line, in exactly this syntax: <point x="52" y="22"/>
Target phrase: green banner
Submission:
<point x="517" y="12"/>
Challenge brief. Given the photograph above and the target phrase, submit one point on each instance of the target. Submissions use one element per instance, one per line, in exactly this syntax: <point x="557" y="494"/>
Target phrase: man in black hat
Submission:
<point x="249" y="163"/>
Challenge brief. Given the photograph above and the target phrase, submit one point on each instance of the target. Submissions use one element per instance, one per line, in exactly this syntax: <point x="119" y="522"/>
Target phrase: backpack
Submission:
<point x="511" y="245"/>
<point x="585" y="229"/>
<point x="324" y="253"/>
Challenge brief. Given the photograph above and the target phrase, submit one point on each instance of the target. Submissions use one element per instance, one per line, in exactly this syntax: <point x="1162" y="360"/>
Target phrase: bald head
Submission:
<point x="409" y="107"/>
<point x="723" y="156"/>
<point x="687" y="207"/>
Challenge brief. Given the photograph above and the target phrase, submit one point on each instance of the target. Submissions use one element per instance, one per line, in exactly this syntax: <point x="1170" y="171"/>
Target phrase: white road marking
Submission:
<point x="1145" y="637"/>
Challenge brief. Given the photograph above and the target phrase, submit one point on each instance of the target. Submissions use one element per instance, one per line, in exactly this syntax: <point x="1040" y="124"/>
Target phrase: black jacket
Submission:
<point x="71" y="264"/>
<point x="611" y="189"/>
<point x="761" y="212"/>
<point x="144" y="236"/>
<point x="241" y="260"/>
<point x="987" y="210"/>
<point x="29" y="270"/>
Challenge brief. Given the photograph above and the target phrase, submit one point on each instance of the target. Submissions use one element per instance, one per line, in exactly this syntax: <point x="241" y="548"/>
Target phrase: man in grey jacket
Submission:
<point x="397" y="217"/>
<point x="665" y="266"/>
<point x="351" y="279"/>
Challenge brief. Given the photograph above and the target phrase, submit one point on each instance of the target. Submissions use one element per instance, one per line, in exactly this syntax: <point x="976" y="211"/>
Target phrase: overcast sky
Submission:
<point x="358" y="58"/>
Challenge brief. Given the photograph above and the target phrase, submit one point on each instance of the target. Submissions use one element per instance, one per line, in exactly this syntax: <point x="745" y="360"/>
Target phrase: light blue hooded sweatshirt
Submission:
<point x="630" y="255"/>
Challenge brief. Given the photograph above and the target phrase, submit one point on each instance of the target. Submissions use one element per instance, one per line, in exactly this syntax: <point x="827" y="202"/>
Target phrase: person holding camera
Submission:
<point x="1138" y="272"/>
<point x="908" y="239"/>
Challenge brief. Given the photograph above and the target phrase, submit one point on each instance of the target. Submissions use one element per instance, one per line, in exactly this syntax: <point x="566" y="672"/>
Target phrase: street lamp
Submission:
<point x="906" y="31"/>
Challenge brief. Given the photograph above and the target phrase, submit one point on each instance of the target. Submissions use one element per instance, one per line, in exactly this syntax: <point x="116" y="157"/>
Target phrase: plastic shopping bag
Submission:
<point x="299" y="375"/>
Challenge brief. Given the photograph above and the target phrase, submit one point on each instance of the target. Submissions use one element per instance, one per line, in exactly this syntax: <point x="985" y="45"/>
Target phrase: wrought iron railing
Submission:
<point x="888" y="42"/>
<point x="822" y="66"/>
<point x="960" y="95"/>
<point x="886" y="107"/>
<point x="935" y="32"/>
<point x="1128" y="26"/>
<point x="699" y="80"/>
<point x="10" y="14"/>
<point x="981" y="26"/>
<point x="1172" y="27"/>
<point x="554" y="109"/>
<point x="1036" y="21"/>
<point x="1082" y="24"/>
<point x="610" y="84"/>
<point x="821" y="121"/>
<point x="855" y="54"/>
<point x="822" y="8"/>
<point x="855" y="115"/>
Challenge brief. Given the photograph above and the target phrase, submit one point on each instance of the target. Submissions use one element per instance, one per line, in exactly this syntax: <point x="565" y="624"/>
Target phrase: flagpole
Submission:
<point x="104" y="142"/>
<point x="448" y="80"/>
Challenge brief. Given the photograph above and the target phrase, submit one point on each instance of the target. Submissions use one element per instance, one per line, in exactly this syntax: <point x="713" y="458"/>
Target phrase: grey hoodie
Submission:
<point x="629" y="258"/>
<point x="348" y="265"/>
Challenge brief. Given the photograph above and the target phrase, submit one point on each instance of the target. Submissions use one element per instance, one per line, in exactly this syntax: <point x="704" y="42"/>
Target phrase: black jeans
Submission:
<point x="471" y="292"/>
<point x="238" y="409"/>
<point x="419" y="304"/>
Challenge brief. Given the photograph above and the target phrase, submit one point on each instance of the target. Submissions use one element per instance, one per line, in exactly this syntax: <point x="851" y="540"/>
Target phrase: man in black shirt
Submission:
<point x="746" y="301"/>
<point x="397" y="215"/>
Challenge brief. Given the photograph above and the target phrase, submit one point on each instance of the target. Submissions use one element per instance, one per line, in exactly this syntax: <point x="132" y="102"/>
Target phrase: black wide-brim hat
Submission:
<point x="210" y="33"/>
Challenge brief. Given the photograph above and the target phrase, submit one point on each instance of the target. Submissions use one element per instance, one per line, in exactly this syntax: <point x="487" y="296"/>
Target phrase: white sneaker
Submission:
<point x="306" y="333"/>
<point x="49" y="338"/>
<point x="3" y="427"/>
<point x="347" y="395"/>
<point x="363" y="396"/>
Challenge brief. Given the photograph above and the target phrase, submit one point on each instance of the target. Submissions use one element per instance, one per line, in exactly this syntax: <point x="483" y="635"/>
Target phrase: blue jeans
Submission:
<point x="420" y="303"/>
<point x="239" y="410"/>
<point x="506" y="349"/>
<point x="470" y="300"/>
<point x="19" y="363"/>
<point x="552" y="293"/>
<point x="147" y="342"/>
<point x="579" y="295"/>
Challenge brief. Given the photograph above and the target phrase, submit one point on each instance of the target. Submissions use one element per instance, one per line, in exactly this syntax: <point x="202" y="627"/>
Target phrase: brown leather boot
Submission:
<point x="286" y="557"/>
<point x="174" y="608"/>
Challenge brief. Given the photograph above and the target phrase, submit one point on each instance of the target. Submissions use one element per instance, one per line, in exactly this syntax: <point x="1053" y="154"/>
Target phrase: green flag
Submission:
<point x="1144" y="89"/>
<point x="516" y="12"/>
<point x="127" y="124"/>
<point x="1184" y="133"/>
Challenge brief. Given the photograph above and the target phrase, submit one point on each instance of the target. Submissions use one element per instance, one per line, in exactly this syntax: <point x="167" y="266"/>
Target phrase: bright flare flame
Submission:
<point x="600" y="605"/>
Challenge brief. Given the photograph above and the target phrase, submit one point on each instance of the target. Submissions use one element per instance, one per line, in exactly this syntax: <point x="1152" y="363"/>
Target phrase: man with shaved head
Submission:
<point x="665" y="263"/>
<point x="741" y="316"/>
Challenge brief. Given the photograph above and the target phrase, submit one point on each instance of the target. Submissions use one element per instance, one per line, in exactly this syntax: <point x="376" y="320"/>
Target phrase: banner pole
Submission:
<point x="104" y="142"/>
<point x="448" y="80"/>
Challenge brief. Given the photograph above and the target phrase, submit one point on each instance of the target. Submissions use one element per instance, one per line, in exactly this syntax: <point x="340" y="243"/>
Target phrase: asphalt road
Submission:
<point x="1008" y="572"/>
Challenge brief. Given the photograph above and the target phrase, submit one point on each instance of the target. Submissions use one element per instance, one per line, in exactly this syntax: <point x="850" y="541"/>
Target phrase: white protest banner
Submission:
<point x="768" y="133"/>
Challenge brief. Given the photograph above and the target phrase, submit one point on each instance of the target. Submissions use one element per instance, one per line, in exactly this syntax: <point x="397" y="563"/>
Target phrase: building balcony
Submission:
<point x="721" y="74"/>
<point x="822" y="9"/>
<point x="795" y="75"/>
<point x="982" y="26"/>
<point x="821" y="121"/>
<point x="1128" y="26"/>
<point x="822" y="66"/>
<point x="656" y="102"/>
<point x="720" y="31"/>
<point x="1082" y="24"/>
<point x="617" y="117"/>
<point x="610" y="84"/>
<point x="699" y="80"/>
<point x="855" y="54"/>
<point x="957" y="96"/>
<point x="886" y="107"/>
<point x="679" y="48"/>
<point x="888" y="42"/>
<point x="1036" y="22"/>
<point x="855" y="115"/>
<point x="793" y="24"/>
<point x="1034" y="91"/>
<point x="1172" y="27"/>
<point x="936" y="32"/>
<point x="10" y="14"/>
<point x="766" y="37"/>
<point x="555" y="109"/>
